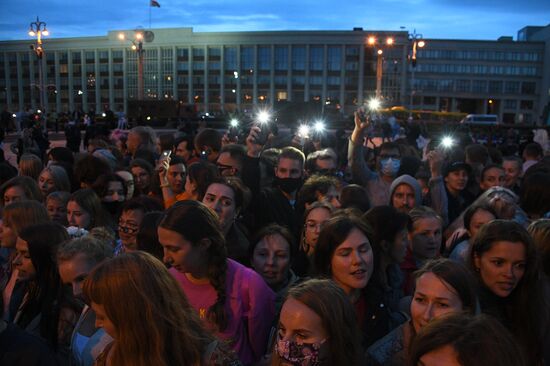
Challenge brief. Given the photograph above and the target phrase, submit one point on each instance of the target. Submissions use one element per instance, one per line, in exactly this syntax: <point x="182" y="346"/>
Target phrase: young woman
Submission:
<point x="231" y="299"/>
<point x="442" y="286"/>
<point x="30" y="165"/>
<point x="474" y="218"/>
<point x="228" y="197"/>
<point x="111" y="190"/>
<point x="465" y="340"/>
<point x="425" y="237"/>
<point x="344" y="254"/>
<point x="199" y="177"/>
<point x="53" y="178"/>
<point x="16" y="217"/>
<point x="390" y="229"/>
<point x="142" y="171"/>
<point x="318" y="327"/>
<point x="271" y="256"/>
<point x="56" y="204"/>
<point x="84" y="210"/>
<point x="133" y="295"/>
<point x="44" y="309"/>
<point x="314" y="218"/>
<point x="504" y="259"/>
<point x="20" y="188"/>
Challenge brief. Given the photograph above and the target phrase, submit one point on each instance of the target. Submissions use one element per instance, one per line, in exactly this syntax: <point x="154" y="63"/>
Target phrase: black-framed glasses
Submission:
<point x="128" y="229"/>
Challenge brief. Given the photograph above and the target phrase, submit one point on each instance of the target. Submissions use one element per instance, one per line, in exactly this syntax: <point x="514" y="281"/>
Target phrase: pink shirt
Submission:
<point x="249" y="305"/>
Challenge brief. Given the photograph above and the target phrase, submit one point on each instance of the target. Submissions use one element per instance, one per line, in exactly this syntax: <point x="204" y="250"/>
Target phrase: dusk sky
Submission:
<point x="447" y="19"/>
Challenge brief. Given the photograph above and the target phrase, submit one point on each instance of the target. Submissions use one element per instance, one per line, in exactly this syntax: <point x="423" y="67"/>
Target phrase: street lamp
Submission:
<point x="417" y="42"/>
<point x="38" y="29"/>
<point x="137" y="45"/>
<point x="372" y="41"/>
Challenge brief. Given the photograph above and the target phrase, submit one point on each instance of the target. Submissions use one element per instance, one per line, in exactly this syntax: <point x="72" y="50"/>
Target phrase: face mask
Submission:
<point x="305" y="354"/>
<point x="287" y="185"/>
<point x="390" y="166"/>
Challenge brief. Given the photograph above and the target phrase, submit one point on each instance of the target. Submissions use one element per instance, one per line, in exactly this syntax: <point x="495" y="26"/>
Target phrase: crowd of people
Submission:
<point x="256" y="248"/>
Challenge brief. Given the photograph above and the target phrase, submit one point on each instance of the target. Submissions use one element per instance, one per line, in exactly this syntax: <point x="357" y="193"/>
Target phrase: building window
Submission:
<point x="247" y="58"/>
<point x="281" y="58"/>
<point x="526" y="104"/>
<point x="495" y="86"/>
<point x="463" y="86"/>
<point x="230" y="58"/>
<point x="334" y="62"/>
<point x="316" y="58"/>
<point x="511" y="87"/>
<point x="264" y="58"/>
<point x="510" y="104"/>
<point x="528" y="87"/>
<point x="298" y="58"/>
<point x="479" y="86"/>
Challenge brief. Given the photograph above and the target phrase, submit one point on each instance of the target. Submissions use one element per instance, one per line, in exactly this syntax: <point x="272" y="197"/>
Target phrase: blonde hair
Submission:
<point x="30" y="165"/>
<point x="154" y="323"/>
<point x="19" y="215"/>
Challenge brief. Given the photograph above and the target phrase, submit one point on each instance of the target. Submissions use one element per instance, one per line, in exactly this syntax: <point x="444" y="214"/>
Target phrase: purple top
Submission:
<point x="249" y="305"/>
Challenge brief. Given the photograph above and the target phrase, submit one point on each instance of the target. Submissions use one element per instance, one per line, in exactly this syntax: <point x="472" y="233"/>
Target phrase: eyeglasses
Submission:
<point x="128" y="229"/>
<point x="222" y="167"/>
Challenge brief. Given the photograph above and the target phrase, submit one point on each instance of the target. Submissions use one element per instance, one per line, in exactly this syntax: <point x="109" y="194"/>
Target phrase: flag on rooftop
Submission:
<point x="155" y="4"/>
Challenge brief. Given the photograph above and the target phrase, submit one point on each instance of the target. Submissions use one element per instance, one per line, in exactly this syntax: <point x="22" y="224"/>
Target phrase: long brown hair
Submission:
<point x="195" y="222"/>
<point x="527" y="306"/>
<point x="141" y="298"/>
<point x="331" y="303"/>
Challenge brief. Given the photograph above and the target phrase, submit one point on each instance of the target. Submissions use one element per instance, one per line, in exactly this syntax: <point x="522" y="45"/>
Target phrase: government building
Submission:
<point x="240" y="71"/>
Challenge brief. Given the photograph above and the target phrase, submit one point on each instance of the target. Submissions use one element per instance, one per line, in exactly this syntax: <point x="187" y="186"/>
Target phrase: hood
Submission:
<point x="410" y="181"/>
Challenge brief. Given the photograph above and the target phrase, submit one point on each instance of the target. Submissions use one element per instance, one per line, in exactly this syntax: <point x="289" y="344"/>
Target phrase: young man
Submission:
<point x="512" y="172"/>
<point x="172" y="177"/>
<point x="388" y="163"/>
<point x="405" y="193"/>
<point x="276" y="204"/>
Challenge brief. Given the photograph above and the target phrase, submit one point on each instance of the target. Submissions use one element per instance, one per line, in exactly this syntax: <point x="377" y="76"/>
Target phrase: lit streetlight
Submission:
<point x="38" y="29"/>
<point x="137" y="45"/>
<point x="372" y="41"/>
<point x="416" y="43"/>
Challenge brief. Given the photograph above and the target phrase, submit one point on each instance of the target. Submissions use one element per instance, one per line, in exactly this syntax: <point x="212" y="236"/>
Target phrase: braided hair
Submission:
<point x="196" y="222"/>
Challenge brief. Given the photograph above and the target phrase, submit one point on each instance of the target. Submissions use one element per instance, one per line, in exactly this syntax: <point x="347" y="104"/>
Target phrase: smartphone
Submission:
<point x="166" y="153"/>
<point x="204" y="155"/>
<point x="263" y="134"/>
<point x="233" y="133"/>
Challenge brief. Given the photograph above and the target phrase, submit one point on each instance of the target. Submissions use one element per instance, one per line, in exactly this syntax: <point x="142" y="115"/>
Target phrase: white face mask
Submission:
<point x="390" y="166"/>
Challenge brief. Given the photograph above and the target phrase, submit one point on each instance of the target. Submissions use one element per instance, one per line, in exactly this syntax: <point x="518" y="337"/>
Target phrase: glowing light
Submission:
<point x="389" y="41"/>
<point x="236" y="74"/>
<point x="38" y="111"/>
<point x="45" y="32"/>
<point x="14" y="115"/>
<point x="421" y="44"/>
<point x="80" y="92"/>
<point x="134" y="47"/>
<point x="319" y="126"/>
<point x="234" y="123"/>
<point x="263" y="117"/>
<point x="447" y="142"/>
<point x="31" y="33"/>
<point x="490" y="101"/>
<point x="380" y="52"/>
<point x="374" y="104"/>
<point x="371" y="40"/>
<point x="148" y="118"/>
<point x="303" y="131"/>
<point x="139" y="36"/>
<point x="103" y="115"/>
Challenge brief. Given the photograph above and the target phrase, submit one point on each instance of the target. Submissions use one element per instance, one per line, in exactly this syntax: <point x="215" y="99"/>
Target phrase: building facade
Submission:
<point x="238" y="71"/>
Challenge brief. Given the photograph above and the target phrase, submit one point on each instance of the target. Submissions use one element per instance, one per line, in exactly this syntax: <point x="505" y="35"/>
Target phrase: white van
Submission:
<point x="481" y="119"/>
